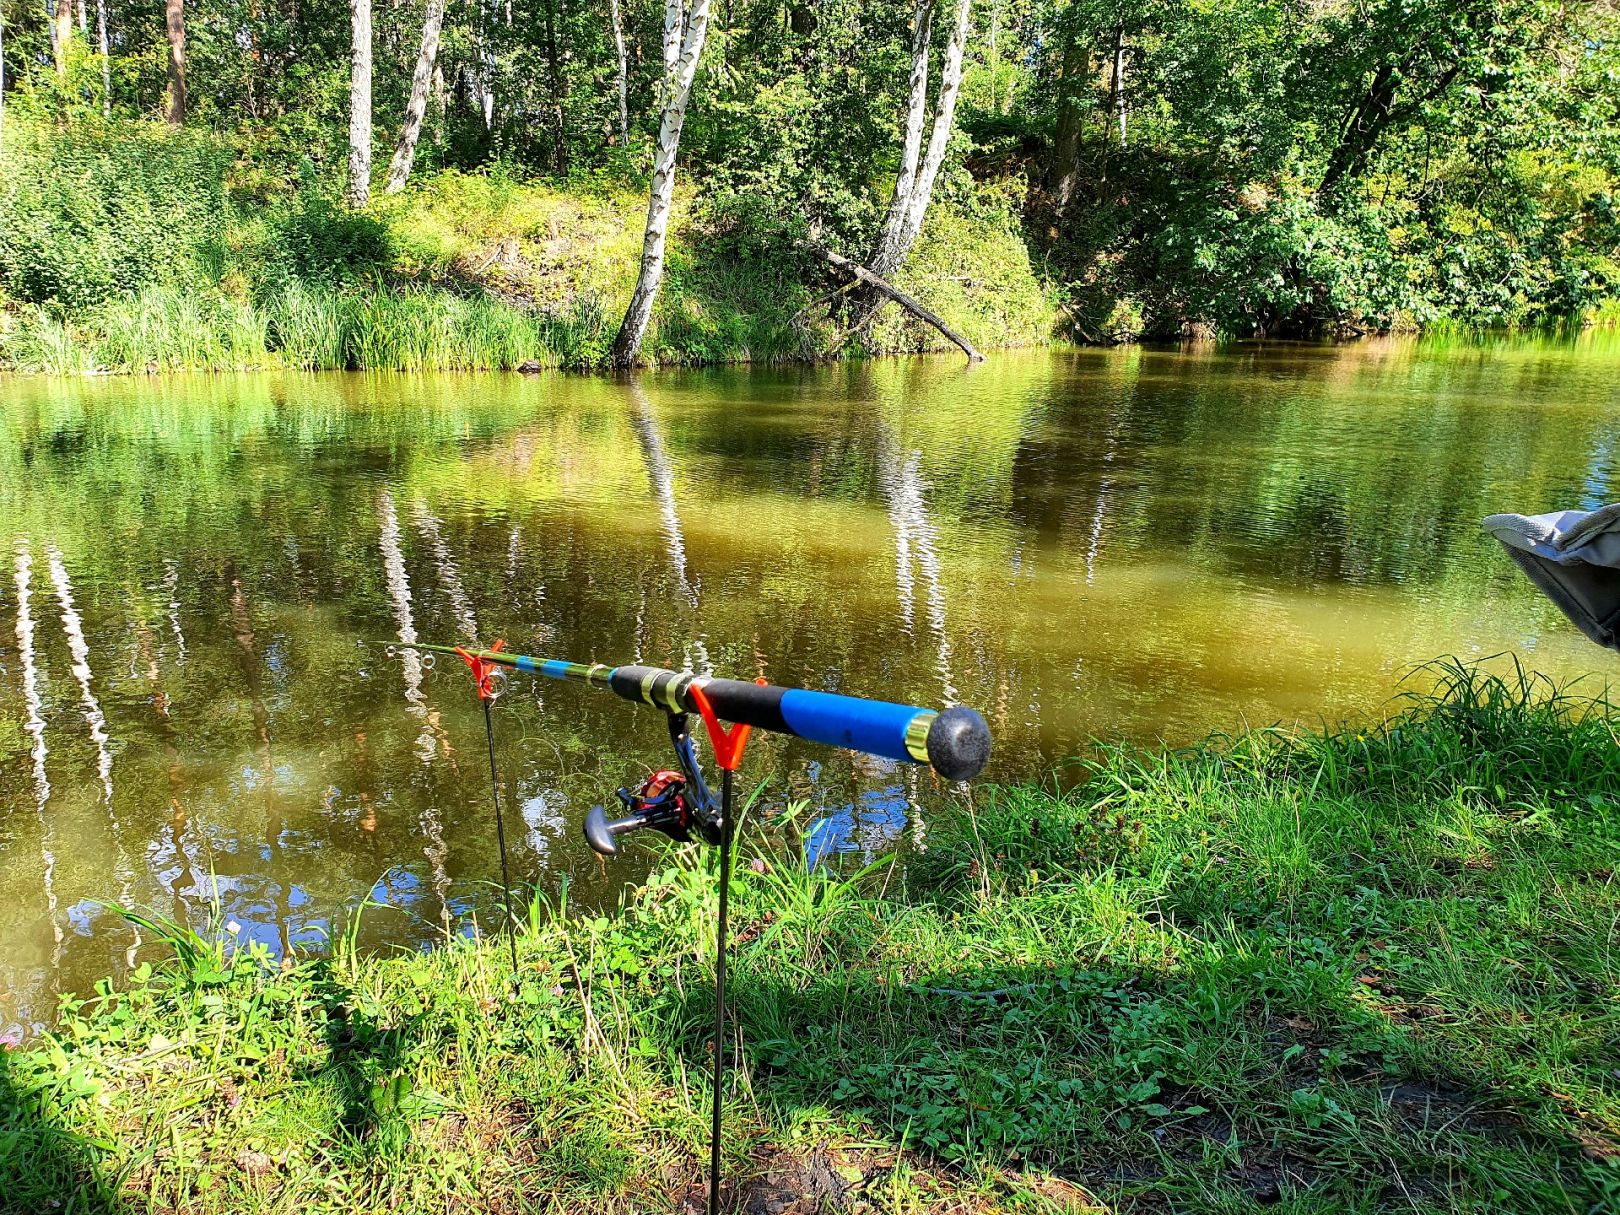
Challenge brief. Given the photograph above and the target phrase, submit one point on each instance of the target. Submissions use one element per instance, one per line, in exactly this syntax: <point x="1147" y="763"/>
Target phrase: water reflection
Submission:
<point x="662" y="479"/>
<point x="1127" y="543"/>
<point x="80" y="650"/>
<point x="35" y="727"/>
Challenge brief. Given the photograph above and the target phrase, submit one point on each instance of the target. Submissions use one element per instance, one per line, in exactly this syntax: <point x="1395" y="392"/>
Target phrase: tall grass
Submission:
<point x="416" y="329"/>
<point x="172" y="329"/>
<point x="1362" y="969"/>
<point x="307" y="327"/>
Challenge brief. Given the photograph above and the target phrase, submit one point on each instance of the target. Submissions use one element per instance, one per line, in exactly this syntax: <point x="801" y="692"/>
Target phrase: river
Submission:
<point x="1126" y="544"/>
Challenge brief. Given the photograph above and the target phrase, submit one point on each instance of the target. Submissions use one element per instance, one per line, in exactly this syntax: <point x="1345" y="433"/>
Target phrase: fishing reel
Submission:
<point x="678" y="803"/>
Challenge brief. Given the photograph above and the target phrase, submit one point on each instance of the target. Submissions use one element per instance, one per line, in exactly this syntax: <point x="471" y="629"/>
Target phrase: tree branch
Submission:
<point x="887" y="289"/>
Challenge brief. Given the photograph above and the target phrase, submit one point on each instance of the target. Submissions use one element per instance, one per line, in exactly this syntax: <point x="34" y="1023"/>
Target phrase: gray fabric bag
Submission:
<point x="1574" y="556"/>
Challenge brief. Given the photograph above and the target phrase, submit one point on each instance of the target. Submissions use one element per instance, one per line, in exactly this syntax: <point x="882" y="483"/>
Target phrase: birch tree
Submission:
<point x="174" y="20"/>
<point x="359" y="191"/>
<point x="106" y="58"/>
<point x="62" y="34"/>
<point x="624" y="73"/>
<point x="2" y="79"/>
<point x="686" y="24"/>
<point x="399" y="169"/>
<point x="1116" y="85"/>
<point x="914" y="186"/>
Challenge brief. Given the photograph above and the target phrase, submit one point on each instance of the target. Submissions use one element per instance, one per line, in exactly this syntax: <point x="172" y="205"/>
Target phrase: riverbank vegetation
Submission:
<point x="195" y="187"/>
<point x="1364" y="969"/>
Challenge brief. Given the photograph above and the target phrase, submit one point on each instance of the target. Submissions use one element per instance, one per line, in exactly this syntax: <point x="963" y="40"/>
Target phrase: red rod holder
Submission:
<point x="728" y="744"/>
<point x="483" y="671"/>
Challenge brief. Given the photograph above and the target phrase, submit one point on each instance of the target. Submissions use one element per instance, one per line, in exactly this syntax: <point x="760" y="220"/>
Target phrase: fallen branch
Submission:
<point x="887" y="289"/>
<point x="824" y="302"/>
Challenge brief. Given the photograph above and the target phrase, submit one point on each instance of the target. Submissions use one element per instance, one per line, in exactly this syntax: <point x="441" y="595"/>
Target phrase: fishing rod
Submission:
<point x="678" y="802"/>
<point x="954" y="742"/>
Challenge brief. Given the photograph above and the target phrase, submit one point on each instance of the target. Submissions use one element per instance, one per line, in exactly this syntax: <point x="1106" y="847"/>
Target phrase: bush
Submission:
<point x="95" y="211"/>
<point x="318" y="239"/>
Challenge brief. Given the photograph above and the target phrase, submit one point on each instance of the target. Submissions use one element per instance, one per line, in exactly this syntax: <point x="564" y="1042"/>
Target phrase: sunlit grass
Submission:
<point x="1360" y="969"/>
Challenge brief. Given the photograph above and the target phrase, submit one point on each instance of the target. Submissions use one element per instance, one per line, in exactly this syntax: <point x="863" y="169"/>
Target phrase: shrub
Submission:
<point x="94" y="211"/>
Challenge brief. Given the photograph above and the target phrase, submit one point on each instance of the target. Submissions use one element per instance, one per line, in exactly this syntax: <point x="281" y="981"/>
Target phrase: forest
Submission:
<point x="587" y="183"/>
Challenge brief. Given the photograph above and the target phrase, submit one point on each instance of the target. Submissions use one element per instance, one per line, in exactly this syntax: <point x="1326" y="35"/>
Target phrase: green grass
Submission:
<point x="1366" y="969"/>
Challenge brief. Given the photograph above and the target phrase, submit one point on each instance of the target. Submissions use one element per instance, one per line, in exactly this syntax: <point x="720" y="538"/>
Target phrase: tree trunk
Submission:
<point x="675" y="17"/>
<point x="887" y="254"/>
<point x="62" y="34"/>
<point x="686" y="23"/>
<point x="359" y="191"/>
<point x="174" y="16"/>
<point x="908" y="207"/>
<point x="624" y="73"/>
<point x="484" y="73"/>
<point x="106" y="58"/>
<point x="441" y="98"/>
<point x="399" y="169"/>
<point x="84" y="20"/>
<point x="1063" y="175"/>
<point x="1116" y="89"/>
<point x="559" y="90"/>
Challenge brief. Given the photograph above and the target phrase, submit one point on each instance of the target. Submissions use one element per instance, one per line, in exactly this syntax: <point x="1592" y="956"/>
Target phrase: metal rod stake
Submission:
<point x="500" y="839"/>
<point x="720" y="990"/>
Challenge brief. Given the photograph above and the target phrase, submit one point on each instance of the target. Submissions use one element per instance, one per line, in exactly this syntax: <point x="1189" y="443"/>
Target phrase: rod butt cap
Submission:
<point x="958" y="743"/>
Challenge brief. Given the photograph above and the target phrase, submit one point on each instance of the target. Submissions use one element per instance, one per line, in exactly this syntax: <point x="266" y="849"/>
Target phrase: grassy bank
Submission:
<point x="129" y="247"/>
<point x="1364" y="970"/>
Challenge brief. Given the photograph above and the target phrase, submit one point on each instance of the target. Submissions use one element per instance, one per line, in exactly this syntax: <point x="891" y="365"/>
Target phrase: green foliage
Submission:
<point x="1400" y="165"/>
<point x="95" y="211"/>
<point x="1356" y="969"/>
<point x="1256" y="168"/>
<point x="318" y="239"/>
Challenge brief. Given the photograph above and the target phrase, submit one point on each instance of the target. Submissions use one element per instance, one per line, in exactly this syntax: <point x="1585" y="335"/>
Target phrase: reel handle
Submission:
<point x="602" y="833"/>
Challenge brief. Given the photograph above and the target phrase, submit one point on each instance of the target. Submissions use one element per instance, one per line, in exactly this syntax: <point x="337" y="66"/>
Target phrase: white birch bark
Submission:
<point x="359" y="191"/>
<point x="484" y="73"/>
<point x="674" y="27"/>
<point x="950" y="88"/>
<point x="1119" y="85"/>
<point x="887" y="255"/>
<point x="106" y="59"/>
<point x="914" y="187"/>
<point x="686" y="24"/>
<point x="624" y="73"/>
<point x="399" y="169"/>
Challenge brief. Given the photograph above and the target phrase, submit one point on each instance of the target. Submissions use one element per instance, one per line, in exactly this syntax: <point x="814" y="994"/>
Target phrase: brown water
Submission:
<point x="1130" y="543"/>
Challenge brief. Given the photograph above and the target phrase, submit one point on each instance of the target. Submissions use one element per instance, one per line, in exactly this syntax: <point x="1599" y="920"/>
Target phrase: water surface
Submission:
<point x="1127" y="544"/>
